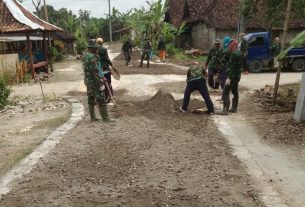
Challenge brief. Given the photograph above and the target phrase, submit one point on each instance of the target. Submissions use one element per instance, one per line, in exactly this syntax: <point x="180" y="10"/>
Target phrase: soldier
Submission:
<point x="105" y="64"/>
<point x="127" y="50"/>
<point x="146" y="51"/>
<point x="234" y="74"/>
<point x="162" y="49"/>
<point x="214" y="65"/>
<point x="95" y="87"/>
<point x="276" y="49"/>
<point x="244" y="51"/>
<point x="196" y="81"/>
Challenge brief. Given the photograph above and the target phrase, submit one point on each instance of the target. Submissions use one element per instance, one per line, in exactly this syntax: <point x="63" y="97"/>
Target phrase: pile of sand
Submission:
<point x="161" y="103"/>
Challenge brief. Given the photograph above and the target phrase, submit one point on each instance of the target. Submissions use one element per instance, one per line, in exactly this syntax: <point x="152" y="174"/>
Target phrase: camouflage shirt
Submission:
<point x="214" y="58"/>
<point x="235" y="66"/>
<point x="103" y="57"/>
<point x="195" y="72"/>
<point x="90" y="70"/>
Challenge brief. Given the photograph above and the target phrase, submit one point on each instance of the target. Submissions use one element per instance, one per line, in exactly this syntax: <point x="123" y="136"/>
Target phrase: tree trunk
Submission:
<point x="278" y="74"/>
<point x="242" y="18"/>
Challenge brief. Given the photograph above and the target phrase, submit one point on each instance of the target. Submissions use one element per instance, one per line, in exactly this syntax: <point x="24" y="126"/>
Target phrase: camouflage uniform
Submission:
<point x="127" y="50"/>
<point x="95" y="92"/>
<point x="146" y="52"/>
<point x="196" y="81"/>
<point x="233" y="71"/>
<point x="214" y="63"/>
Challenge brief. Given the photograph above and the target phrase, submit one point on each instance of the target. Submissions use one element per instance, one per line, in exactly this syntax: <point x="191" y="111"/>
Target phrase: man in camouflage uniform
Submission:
<point x="105" y="64"/>
<point x="244" y="50"/>
<point x="146" y="51"/>
<point x="95" y="89"/>
<point x="214" y="65"/>
<point x="234" y="69"/>
<point x="127" y="50"/>
<point x="196" y="81"/>
<point x="276" y="49"/>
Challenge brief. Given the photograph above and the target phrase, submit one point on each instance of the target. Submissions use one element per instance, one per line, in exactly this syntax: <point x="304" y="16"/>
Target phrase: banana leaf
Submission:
<point x="298" y="41"/>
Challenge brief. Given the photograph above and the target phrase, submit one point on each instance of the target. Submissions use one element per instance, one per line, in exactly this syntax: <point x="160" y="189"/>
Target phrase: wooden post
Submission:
<point x="30" y="53"/>
<point x="45" y="49"/>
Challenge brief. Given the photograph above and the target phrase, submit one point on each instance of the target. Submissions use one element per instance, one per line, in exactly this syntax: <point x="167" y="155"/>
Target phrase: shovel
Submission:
<point x="111" y="96"/>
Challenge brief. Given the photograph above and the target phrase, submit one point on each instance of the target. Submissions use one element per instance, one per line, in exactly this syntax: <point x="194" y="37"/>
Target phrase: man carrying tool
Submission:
<point x="127" y="50"/>
<point x="105" y="64"/>
<point x="214" y="65"/>
<point x="95" y="85"/>
<point x="196" y="81"/>
<point x="234" y="70"/>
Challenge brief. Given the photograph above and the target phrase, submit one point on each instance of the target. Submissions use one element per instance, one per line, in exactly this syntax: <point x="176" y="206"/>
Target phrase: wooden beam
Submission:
<point x="29" y="50"/>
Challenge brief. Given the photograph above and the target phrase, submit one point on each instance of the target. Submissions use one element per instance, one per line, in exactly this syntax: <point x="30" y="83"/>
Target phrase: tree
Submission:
<point x="278" y="74"/>
<point x="37" y="6"/>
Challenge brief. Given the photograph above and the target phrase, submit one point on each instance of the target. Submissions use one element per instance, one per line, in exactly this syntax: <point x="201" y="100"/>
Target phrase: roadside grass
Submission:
<point x="24" y="150"/>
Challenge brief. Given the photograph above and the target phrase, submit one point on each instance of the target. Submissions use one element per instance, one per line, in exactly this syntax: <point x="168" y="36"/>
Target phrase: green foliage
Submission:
<point x="298" y="41"/>
<point x="5" y="92"/>
<point x="81" y="45"/>
<point x="172" y="50"/>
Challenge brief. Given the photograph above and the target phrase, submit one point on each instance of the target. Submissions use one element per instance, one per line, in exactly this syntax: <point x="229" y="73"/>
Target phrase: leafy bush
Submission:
<point x="5" y="92"/>
<point x="172" y="50"/>
<point x="81" y="45"/>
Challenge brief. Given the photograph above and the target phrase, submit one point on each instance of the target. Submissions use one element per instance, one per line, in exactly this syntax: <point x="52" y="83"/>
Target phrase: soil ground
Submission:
<point x="153" y="155"/>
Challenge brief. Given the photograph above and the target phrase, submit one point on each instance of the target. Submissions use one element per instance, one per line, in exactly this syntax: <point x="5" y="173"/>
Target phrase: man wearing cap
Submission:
<point x="234" y="70"/>
<point x="105" y="64"/>
<point x="95" y="86"/>
<point x="214" y="64"/>
<point x="196" y="81"/>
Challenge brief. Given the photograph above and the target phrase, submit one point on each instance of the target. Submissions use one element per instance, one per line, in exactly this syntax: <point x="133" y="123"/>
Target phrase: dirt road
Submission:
<point x="151" y="156"/>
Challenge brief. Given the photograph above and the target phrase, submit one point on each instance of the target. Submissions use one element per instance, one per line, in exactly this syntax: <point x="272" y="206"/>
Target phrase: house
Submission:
<point x="208" y="20"/>
<point x="16" y="22"/>
<point x="68" y="39"/>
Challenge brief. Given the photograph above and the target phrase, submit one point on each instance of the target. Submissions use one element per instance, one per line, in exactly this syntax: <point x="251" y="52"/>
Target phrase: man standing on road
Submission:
<point x="95" y="85"/>
<point x="146" y="51"/>
<point x="196" y="81"/>
<point x="244" y="51"/>
<point x="162" y="49"/>
<point x="214" y="65"/>
<point x="105" y="64"/>
<point x="234" y="74"/>
<point x="127" y="50"/>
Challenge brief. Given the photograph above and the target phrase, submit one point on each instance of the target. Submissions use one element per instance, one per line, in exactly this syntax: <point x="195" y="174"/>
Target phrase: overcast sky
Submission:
<point x="98" y="8"/>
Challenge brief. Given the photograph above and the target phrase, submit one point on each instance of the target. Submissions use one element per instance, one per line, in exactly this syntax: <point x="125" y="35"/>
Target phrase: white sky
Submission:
<point x="98" y="8"/>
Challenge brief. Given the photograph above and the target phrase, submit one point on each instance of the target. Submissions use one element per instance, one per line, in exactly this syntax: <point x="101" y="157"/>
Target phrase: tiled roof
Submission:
<point x="9" y="24"/>
<point x="216" y="13"/>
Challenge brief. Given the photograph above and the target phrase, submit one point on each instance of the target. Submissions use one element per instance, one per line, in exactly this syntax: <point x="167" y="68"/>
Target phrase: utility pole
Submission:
<point x="242" y="18"/>
<point x="110" y="27"/>
<point x="45" y="11"/>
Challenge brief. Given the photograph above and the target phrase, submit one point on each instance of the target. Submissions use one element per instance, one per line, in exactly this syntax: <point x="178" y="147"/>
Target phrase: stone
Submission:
<point x="299" y="114"/>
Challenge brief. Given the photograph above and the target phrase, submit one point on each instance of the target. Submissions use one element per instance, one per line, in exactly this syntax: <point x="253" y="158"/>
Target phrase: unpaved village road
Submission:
<point x="151" y="156"/>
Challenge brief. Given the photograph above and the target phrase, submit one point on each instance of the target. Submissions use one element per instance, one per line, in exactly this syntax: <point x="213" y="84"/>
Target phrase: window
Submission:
<point x="256" y="41"/>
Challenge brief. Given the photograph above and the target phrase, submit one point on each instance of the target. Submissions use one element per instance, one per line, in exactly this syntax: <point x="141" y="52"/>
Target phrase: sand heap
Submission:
<point x="161" y="103"/>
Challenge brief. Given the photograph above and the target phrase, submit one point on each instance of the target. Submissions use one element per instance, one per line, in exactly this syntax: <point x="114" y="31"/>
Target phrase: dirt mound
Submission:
<point x="161" y="103"/>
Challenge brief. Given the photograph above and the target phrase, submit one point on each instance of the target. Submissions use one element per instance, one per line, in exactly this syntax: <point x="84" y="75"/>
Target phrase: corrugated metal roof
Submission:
<point x="15" y="18"/>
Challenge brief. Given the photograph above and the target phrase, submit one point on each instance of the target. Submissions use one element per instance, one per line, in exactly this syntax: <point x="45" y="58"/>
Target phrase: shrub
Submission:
<point x="5" y="92"/>
<point x="172" y="50"/>
<point x="81" y="45"/>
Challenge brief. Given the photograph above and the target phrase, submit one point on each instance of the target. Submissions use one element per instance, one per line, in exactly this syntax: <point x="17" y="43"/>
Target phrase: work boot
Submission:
<point x="234" y="105"/>
<point x="104" y="114"/>
<point x="225" y="110"/>
<point x="92" y="113"/>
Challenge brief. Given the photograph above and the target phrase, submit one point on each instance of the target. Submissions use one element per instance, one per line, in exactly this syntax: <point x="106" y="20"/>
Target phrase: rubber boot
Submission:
<point x="104" y="113"/>
<point x="234" y="105"/>
<point x="226" y="105"/>
<point x="92" y="113"/>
